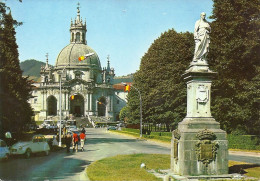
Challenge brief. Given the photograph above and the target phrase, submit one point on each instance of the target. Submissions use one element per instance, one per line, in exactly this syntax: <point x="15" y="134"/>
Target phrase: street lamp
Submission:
<point x="60" y="72"/>
<point x="125" y="84"/>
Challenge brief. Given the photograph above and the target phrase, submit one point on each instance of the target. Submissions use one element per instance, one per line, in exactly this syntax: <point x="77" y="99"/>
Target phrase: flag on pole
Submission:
<point x="127" y="88"/>
<point x="72" y="97"/>
<point x="81" y="58"/>
<point x="85" y="56"/>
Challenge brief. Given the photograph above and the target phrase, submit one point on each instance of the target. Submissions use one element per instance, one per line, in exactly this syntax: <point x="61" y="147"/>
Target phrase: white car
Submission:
<point x="38" y="144"/>
<point x="4" y="150"/>
<point x="72" y="128"/>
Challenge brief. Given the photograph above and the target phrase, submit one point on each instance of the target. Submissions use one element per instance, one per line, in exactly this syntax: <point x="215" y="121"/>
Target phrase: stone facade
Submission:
<point x="79" y="88"/>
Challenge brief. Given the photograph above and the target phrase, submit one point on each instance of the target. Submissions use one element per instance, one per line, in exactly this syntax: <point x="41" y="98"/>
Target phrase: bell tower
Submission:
<point x="78" y="29"/>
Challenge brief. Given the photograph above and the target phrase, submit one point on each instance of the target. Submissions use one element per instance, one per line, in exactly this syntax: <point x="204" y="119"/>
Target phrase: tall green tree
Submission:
<point x="160" y="80"/>
<point x="16" y="111"/>
<point x="234" y="54"/>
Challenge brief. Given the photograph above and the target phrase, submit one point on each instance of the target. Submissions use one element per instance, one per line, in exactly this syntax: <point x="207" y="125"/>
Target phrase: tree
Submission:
<point x="234" y="54"/>
<point x="124" y="112"/>
<point x="15" y="88"/>
<point x="160" y="82"/>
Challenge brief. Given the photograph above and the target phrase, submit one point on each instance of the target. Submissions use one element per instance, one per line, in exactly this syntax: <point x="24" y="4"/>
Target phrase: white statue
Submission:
<point x="201" y="36"/>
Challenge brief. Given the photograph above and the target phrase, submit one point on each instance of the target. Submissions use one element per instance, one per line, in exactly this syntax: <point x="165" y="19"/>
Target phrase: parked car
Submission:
<point x="111" y="128"/>
<point x="36" y="145"/>
<point x="71" y="128"/>
<point x="4" y="150"/>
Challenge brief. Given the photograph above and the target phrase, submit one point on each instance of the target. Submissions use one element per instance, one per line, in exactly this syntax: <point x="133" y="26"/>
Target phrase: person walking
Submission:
<point x="83" y="130"/>
<point x="82" y="140"/>
<point x="75" y="141"/>
<point x="68" y="140"/>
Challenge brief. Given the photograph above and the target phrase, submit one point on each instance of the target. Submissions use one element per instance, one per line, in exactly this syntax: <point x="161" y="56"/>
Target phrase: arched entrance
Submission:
<point x="51" y="106"/>
<point x="101" y="104"/>
<point x="77" y="106"/>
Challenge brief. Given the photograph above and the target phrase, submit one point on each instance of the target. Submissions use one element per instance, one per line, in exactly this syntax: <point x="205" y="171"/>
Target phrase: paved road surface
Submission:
<point x="100" y="144"/>
<point x="63" y="166"/>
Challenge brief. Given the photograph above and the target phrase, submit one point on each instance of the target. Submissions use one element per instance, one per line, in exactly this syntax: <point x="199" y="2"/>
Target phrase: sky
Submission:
<point x="122" y="29"/>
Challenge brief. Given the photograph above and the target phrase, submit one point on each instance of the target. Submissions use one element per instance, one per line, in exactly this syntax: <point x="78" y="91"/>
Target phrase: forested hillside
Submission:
<point x="31" y="68"/>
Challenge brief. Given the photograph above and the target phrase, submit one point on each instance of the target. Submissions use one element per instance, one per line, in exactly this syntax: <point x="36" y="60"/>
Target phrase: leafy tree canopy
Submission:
<point x="160" y="79"/>
<point x="234" y="54"/>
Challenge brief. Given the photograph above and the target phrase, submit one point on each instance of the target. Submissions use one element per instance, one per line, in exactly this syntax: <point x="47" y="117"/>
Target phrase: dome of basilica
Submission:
<point x="69" y="57"/>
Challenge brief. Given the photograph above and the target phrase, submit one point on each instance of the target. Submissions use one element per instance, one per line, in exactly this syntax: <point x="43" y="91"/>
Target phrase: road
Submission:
<point x="70" y="166"/>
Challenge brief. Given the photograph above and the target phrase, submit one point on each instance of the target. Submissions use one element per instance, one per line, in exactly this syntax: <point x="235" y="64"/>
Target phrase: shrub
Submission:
<point x="247" y="142"/>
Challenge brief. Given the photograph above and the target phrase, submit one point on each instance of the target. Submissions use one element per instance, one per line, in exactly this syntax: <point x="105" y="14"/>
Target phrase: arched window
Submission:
<point x="77" y="37"/>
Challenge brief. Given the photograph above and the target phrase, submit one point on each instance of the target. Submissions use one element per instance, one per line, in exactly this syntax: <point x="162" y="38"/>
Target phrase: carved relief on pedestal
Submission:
<point x="206" y="148"/>
<point x="202" y="95"/>
<point x="177" y="136"/>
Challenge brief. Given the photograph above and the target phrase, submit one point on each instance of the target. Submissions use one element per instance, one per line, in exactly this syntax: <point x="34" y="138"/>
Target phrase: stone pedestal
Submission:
<point x="199" y="146"/>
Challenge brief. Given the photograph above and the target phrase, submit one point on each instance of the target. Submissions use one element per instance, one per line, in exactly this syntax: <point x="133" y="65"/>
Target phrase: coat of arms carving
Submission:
<point x="206" y="148"/>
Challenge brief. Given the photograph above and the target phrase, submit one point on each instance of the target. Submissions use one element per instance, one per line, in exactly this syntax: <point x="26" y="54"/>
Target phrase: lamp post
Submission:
<point x="60" y="108"/>
<point x="141" y="117"/>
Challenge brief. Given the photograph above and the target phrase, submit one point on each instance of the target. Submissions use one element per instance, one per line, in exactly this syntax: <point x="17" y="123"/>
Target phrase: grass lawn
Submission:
<point x="127" y="167"/>
<point x="250" y="170"/>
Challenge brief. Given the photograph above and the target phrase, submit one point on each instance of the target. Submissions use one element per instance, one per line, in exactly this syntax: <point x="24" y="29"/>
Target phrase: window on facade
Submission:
<point x="118" y="101"/>
<point x="35" y="100"/>
<point x="78" y="37"/>
<point x="77" y="76"/>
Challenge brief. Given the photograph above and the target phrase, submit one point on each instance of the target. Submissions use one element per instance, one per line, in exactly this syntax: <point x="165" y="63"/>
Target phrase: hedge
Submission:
<point x="246" y="142"/>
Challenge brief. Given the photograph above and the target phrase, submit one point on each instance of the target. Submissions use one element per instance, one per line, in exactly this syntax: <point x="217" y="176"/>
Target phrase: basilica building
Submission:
<point x="77" y="88"/>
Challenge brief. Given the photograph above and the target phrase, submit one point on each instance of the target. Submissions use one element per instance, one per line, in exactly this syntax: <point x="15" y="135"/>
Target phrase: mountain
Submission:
<point x="127" y="78"/>
<point x="31" y="68"/>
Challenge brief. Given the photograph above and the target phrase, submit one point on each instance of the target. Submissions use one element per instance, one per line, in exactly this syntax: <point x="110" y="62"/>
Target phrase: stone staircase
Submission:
<point x="83" y="121"/>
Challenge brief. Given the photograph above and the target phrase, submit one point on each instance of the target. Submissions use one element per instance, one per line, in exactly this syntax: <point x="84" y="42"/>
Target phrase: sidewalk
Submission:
<point x="244" y="153"/>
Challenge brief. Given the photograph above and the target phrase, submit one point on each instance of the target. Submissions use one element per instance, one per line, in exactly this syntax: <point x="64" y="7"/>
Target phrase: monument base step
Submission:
<point x="171" y="177"/>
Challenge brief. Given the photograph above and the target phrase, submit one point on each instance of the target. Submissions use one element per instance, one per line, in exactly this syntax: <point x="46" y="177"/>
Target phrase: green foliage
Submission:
<point x="234" y="54"/>
<point x="123" y="114"/>
<point x="245" y="142"/>
<point x="160" y="80"/>
<point x="15" y="89"/>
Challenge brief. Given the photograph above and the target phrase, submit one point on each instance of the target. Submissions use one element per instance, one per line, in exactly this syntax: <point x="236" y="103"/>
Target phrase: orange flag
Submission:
<point x="127" y="88"/>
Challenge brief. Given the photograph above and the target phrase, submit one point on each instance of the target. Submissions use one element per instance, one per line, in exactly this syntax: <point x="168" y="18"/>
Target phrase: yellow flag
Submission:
<point x="81" y="58"/>
<point x="127" y="88"/>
